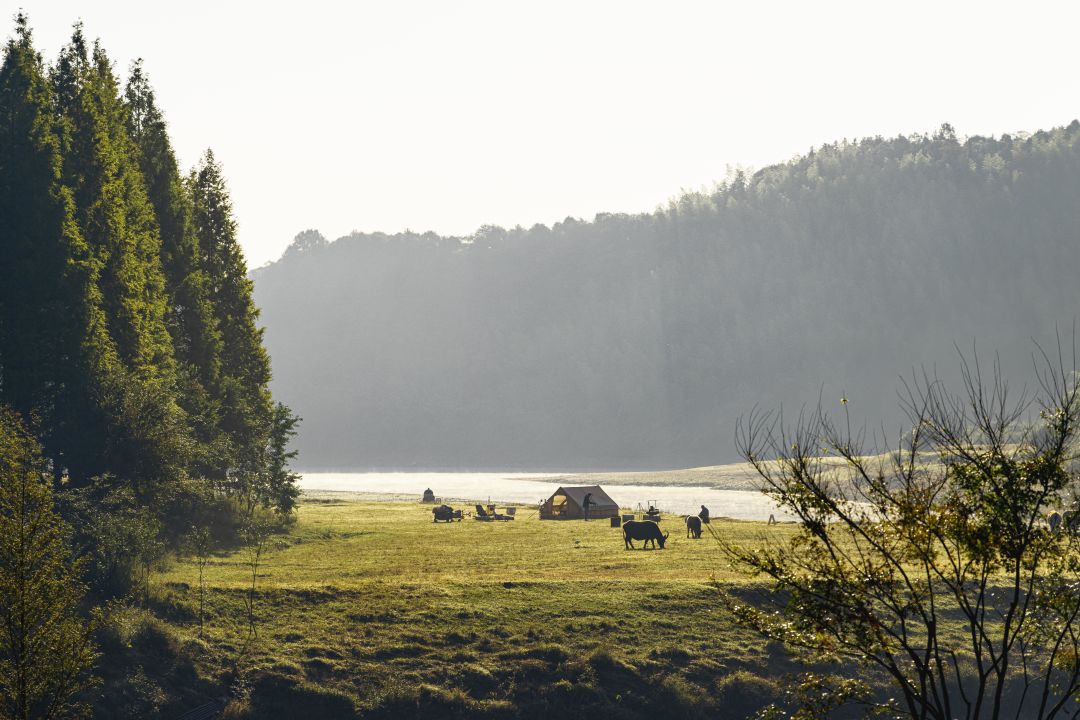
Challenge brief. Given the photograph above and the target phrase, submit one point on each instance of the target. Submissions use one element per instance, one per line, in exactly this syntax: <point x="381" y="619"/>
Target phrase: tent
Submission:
<point x="567" y="503"/>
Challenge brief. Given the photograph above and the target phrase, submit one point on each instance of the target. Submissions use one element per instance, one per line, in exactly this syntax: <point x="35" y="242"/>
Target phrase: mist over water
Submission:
<point x="534" y="489"/>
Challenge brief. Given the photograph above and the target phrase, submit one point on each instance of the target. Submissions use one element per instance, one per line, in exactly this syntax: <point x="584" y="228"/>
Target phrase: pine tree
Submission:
<point x="46" y="647"/>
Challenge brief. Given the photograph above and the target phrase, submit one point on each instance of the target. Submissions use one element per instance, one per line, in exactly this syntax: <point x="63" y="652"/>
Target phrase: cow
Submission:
<point x="646" y="530"/>
<point x="693" y="527"/>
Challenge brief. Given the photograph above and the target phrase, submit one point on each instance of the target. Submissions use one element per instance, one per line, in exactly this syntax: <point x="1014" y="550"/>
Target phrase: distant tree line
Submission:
<point x="636" y="340"/>
<point x="129" y="347"/>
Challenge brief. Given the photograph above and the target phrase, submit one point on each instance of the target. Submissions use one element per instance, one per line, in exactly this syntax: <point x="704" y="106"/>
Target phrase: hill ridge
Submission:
<point x="635" y="340"/>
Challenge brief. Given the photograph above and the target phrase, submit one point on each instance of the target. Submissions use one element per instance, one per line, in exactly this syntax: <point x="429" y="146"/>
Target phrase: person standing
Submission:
<point x="704" y="515"/>
<point x="586" y="504"/>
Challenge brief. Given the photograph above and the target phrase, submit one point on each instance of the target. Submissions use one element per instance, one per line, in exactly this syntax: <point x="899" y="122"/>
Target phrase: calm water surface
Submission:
<point x="534" y="488"/>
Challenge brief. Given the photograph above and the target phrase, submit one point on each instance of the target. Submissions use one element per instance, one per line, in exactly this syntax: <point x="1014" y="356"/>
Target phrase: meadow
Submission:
<point x="369" y="609"/>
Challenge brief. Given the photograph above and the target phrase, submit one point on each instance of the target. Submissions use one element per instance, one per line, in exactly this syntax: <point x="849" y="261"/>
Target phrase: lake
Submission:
<point x="529" y="488"/>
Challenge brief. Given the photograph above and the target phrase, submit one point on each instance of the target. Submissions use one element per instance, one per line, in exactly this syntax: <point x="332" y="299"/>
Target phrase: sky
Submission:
<point x="445" y="116"/>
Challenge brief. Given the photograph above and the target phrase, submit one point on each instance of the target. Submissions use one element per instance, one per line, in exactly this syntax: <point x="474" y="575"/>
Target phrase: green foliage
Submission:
<point x="113" y="332"/>
<point x="246" y="408"/>
<point x="119" y="537"/>
<point x="46" y="647"/>
<point x="818" y="696"/>
<point x="934" y="565"/>
<point x="279" y="489"/>
<point x="190" y="316"/>
<point x="100" y="165"/>
<point x="257" y="432"/>
<point x="112" y="321"/>
<point x="55" y="351"/>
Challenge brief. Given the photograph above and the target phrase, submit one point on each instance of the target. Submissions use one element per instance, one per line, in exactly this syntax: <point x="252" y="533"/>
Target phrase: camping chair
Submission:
<point x="481" y="513"/>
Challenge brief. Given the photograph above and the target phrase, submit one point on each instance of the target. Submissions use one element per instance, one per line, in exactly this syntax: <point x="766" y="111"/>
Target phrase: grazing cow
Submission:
<point x="646" y="530"/>
<point x="693" y="527"/>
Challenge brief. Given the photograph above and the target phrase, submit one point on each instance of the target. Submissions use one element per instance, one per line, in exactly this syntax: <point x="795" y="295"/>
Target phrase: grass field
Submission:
<point x="368" y="609"/>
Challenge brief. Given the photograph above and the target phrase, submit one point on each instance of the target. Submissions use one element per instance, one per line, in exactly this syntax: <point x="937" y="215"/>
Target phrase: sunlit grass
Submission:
<point x="359" y="596"/>
<point x="346" y="546"/>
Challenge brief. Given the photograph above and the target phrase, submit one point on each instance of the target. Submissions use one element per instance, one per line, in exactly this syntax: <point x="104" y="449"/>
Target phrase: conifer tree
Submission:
<point x="112" y="208"/>
<point x="247" y="412"/>
<point x="280" y="479"/>
<point x="46" y="648"/>
<point x="189" y="316"/>
<point x="146" y="443"/>
<point x="55" y="353"/>
<point x="128" y="333"/>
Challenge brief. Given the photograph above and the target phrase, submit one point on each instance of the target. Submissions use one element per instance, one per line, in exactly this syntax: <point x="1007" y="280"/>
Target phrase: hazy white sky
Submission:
<point x="441" y="115"/>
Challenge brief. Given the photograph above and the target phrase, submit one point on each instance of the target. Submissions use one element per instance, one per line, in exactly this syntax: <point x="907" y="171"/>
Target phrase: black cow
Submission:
<point x="646" y="530"/>
<point x="693" y="527"/>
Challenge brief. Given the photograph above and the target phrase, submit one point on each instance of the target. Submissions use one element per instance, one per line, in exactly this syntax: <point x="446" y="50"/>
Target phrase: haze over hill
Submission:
<point x="635" y="341"/>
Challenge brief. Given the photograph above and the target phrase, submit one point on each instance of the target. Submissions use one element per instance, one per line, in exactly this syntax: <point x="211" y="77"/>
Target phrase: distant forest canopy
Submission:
<point x="635" y="341"/>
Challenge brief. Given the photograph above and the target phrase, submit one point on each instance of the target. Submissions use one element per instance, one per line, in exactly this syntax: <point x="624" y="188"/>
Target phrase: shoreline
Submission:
<point x="332" y="497"/>
<point x="727" y="490"/>
<point x="734" y="476"/>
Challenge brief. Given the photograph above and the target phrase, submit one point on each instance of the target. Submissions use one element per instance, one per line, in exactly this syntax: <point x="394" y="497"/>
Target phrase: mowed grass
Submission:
<point x="371" y="609"/>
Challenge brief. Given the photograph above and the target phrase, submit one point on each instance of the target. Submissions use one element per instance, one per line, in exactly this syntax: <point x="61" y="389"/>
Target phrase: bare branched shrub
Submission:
<point x="931" y="564"/>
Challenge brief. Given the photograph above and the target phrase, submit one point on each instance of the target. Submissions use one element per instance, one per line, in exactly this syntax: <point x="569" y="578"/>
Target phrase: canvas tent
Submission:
<point x="567" y="503"/>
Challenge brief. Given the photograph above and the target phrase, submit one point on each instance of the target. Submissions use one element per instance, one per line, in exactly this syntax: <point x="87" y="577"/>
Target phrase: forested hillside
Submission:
<point x="636" y="340"/>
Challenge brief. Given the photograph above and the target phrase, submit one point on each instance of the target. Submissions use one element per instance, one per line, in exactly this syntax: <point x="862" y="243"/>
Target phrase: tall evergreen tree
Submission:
<point x="112" y="207"/>
<point x="247" y="411"/>
<point x="146" y="436"/>
<point x="189" y="316"/>
<point x="55" y="353"/>
<point x="127" y="326"/>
